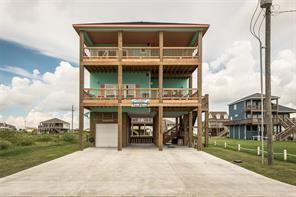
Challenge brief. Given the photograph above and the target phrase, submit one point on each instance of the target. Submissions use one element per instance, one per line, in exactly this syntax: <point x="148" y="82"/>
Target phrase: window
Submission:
<point x="230" y="117"/>
<point x="234" y="107"/>
<point x="218" y="116"/>
<point x="236" y="115"/>
<point x="225" y="116"/>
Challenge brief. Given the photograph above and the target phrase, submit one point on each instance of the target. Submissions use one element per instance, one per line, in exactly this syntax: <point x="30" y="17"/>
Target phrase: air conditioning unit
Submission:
<point x="265" y="3"/>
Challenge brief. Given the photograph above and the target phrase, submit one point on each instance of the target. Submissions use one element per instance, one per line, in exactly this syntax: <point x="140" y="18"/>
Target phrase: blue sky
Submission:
<point x="14" y="54"/>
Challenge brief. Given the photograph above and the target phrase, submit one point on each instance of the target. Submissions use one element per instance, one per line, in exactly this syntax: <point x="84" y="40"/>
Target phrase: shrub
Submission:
<point x="4" y="144"/>
<point x="68" y="137"/>
<point x="26" y="141"/>
<point x="44" y="138"/>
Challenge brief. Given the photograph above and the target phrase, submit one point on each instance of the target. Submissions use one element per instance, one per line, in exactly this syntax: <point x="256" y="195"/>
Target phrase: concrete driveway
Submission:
<point x="140" y="172"/>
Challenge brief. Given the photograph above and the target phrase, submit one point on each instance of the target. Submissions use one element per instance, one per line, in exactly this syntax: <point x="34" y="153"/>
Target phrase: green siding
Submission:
<point x="141" y="78"/>
<point x="171" y="83"/>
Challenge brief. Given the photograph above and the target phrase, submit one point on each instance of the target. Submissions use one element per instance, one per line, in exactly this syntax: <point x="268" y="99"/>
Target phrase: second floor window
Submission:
<point x="234" y="107"/>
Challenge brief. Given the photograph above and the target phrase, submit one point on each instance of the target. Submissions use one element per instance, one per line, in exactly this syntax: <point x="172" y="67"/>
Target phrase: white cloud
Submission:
<point x="50" y="96"/>
<point x="238" y="76"/>
<point x="47" y="25"/>
<point x="21" y="72"/>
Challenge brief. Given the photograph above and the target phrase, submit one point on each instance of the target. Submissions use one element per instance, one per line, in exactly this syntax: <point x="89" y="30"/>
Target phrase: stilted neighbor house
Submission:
<point x="140" y="73"/>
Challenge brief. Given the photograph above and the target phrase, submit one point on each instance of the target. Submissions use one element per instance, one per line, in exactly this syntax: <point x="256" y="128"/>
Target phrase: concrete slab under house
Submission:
<point x="140" y="74"/>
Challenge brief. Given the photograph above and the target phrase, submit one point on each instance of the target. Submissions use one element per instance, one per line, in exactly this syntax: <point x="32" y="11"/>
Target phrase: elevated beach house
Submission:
<point x="53" y="125"/>
<point x="140" y="73"/>
<point x="217" y="120"/>
<point x="245" y="118"/>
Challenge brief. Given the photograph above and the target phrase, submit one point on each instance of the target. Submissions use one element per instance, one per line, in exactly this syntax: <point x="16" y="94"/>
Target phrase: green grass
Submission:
<point x="21" y="155"/>
<point x="282" y="171"/>
<point x="278" y="146"/>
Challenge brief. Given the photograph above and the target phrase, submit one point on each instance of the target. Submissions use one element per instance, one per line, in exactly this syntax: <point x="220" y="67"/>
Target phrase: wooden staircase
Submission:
<point x="174" y="132"/>
<point x="289" y="129"/>
<point x="224" y="133"/>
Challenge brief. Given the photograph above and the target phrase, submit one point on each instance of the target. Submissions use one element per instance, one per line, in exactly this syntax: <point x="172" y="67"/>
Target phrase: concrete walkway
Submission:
<point x="140" y="172"/>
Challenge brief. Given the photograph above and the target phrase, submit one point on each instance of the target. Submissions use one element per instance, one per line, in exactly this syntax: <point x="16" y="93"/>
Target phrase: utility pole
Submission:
<point x="268" y="115"/>
<point x="72" y="118"/>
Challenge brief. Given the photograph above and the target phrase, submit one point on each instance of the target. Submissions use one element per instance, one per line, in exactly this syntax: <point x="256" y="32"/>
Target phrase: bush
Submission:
<point x="44" y="138"/>
<point x="26" y="141"/>
<point x="4" y="144"/>
<point x="68" y="137"/>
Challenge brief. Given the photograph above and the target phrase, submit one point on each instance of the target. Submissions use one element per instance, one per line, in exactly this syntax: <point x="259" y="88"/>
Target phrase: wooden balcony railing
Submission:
<point x="141" y="52"/>
<point x="141" y="93"/>
<point x="258" y="107"/>
<point x="180" y="52"/>
<point x="101" y="52"/>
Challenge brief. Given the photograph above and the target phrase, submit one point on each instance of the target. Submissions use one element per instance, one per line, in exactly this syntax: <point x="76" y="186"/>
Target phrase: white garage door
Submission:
<point x="106" y="135"/>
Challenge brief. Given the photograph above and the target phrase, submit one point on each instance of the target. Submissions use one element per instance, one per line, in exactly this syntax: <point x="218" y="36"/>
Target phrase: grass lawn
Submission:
<point x="282" y="171"/>
<point x="278" y="146"/>
<point x="22" y="157"/>
<point x="19" y="151"/>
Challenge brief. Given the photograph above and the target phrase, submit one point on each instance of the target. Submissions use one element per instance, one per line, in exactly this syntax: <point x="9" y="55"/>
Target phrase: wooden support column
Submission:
<point x="177" y="124"/>
<point x="199" y="125"/>
<point x="119" y="118"/>
<point x="190" y="129"/>
<point x="277" y="111"/>
<point x="207" y="128"/>
<point x="199" y="71"/>
<point x="81" y="87"/>
<point x="160" y="70"/>
<point x="190" y="84"/>
<point x="185" y="130"/>
<point x="160" y="128"/>
<point x="119" y="69"/>
<point x="199" y="86"/>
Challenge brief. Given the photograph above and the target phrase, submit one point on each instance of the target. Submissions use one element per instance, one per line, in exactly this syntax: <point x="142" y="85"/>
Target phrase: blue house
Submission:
<point x="245" y="118"/>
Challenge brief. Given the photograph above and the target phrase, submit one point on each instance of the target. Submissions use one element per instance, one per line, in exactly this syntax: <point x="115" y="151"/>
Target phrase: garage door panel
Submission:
<point x="106" y="135"/>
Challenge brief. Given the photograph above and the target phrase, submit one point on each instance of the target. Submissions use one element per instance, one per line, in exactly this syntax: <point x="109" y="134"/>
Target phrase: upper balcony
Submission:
<point x="141" y="55"/>
<point x="140" y="43"/>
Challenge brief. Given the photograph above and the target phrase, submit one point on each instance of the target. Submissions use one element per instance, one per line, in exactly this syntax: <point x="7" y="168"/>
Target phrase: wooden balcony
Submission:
<point x="152" y="96"/>
<point x="141" y="55"/>
<point x="258" y="108"/>
<point x="252" y="121"/>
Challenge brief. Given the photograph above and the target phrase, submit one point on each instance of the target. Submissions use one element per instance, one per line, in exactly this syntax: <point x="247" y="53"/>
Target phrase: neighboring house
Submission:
<point x="217" y="122"/>
<point x="30" y="129"/>
<point x="141" y="69"/>
<point x="5" y="126"/>
<point x="245" y="118"/>
<point x="54" y="125"/>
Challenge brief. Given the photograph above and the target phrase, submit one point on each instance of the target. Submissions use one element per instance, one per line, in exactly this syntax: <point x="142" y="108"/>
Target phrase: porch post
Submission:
<point x="119" y="119"/>
<point x="199" y="85"/>
<point x="160" y="70"/>
<point x="81" y="87"/>
<point x="160" y="128"/>
<point x="190" y="129"/>
<point x="207" y="128"/>
<point x="119" y="67"/>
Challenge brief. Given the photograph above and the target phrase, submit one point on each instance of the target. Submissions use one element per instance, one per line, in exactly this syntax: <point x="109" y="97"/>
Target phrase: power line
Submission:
<point x="284" y="11"/>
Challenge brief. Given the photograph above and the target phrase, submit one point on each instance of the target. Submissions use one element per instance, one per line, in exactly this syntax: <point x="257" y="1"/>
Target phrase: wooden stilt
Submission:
<point x="119" y="118"/>
<point x="160" y="128"/>
<point x="190" y="129"/>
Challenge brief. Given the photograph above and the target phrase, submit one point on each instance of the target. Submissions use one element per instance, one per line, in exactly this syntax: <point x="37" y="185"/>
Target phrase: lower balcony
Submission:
<point x="142" y="97"/>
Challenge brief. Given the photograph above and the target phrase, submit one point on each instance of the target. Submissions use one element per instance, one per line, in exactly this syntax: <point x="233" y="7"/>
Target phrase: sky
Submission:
<point x="39" y="50"/>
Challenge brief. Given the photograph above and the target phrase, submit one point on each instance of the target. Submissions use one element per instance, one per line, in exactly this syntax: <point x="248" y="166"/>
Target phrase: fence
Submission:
<point x="284" y="156"/>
